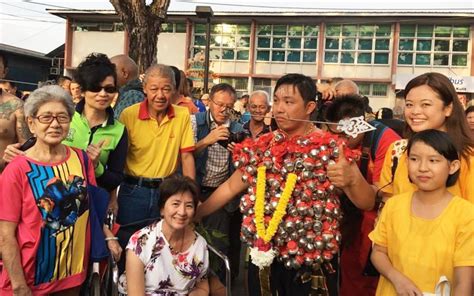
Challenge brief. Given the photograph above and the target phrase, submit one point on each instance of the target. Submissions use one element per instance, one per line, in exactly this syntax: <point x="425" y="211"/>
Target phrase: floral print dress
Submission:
<point x="167" y="273"/>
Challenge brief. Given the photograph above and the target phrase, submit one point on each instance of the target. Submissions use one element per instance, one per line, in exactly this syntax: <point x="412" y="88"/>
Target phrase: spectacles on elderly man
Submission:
<point x="222" y="105"/>
<point x="48" y="118"/>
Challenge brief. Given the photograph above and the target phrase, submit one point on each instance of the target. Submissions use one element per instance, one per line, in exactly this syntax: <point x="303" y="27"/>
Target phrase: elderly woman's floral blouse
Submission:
<point x="167" y="273"/>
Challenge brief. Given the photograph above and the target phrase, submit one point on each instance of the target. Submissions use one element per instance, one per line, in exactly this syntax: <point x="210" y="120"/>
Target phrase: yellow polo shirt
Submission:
<point x="154" y="148"/>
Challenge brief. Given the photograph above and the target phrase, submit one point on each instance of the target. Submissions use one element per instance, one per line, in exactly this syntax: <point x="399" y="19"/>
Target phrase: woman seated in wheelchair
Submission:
<point x="168" y="257"/>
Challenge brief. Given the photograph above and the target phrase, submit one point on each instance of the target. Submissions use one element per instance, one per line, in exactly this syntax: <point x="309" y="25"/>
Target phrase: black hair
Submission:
<point x="469" y="110"/>
<point x="304" y="84"/>
<point x="222" y="87"/>
<point x="178" y="184"/>
<point x="343" y="107"/>
<point x="177" y="76"/>
<point x="61" y="79"/>
<point x="385" y="113"/>
<point x="93" y="70"/>
<point x="442" y="143"/>
<point x="4" y="59"/>
<point x="190" y="84"/>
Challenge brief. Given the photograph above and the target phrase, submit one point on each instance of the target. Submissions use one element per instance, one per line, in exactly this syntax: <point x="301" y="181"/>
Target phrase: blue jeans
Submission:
<point x="137" y="203"/>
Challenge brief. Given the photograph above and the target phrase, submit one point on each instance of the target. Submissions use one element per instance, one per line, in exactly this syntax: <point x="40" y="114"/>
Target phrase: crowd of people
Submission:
<point x="386" y="211"/>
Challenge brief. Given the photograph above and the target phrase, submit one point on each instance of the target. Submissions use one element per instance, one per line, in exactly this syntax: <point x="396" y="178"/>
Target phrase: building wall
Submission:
<point x="172" y="49"/>
<point x="28" y="71"/>
<point x="84" y="43"/>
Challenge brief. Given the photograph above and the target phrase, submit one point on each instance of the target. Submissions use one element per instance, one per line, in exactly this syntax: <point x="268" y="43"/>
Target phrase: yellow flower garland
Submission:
<point x="280" y="210"/>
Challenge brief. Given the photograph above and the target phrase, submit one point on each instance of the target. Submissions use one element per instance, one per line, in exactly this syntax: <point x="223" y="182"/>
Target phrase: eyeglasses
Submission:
<point x="47" y="119"/>
<point x="222" y="105"/>
<point x="108" y="89"/>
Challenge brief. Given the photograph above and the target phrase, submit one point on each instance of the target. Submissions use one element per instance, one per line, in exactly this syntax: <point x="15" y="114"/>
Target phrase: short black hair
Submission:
<point x="4" y="59"/>
<point x="343" y="107"/>
<point x="442" y="143"/>
<point x="178" y="184"/>
<point x="61" y="79"/>
<point x="385" y="113"/>
<point x="469" y="110"/>
<point x="304" y="84"/>
<point x="93" y="70"/>
<point x="177" y="76"/>
<point x="222" y="87"/>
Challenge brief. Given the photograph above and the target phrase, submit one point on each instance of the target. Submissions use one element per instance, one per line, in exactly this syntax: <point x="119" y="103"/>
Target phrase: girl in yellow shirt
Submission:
<point x="428" y="233"/>
<point x="431" y="102"/>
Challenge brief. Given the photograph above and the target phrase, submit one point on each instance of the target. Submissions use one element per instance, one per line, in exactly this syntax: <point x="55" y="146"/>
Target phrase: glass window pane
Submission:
<point x="347" y="57"/>
<point x="407" y="30"/>
<point x="309" y="56"/>
<point x="459" y="60"/>
<point x="263" y="55"/>
<point x="228" y="41"/>
<point x="366" y="31"/>
<point x="382" y="44"/>
<point x="461" y="31"/>
<point x="443" y="31"/>
<point x="348" y="44"/>
<point x="243" y="55"/>
<point x="364" y="58"/>
<point x="379" y="89"/>
<point x="425" y="31"/>
<point x="216" y="28"/>
<point x="243" y="29"/>
<point x="383" y="30"/>
<point x="227" y="54"/>
<point x="349" y="30"/>
<point x="441" y="45"/>
<point x="333" y="30"/>
<point x="364" y="89"/>
<point x="180" y="28"/>
<point x="279" y="30"/>
<point x="423" y="59"/>
<point x="216" y="40"/>
<point x="310" y="43"/>
<point x="311" y="31"/>
<point x="263" y="42"/>
<point x="215" y="54"/>
<point x="423" y="45"/>
<point x="295" y="30"/>
<point x="441" y="59"/>
<point x="198" y="51"/>
<point x="279" y="42"/>
<point x="200" y="40"/>
<point x="405" y="44"/>
<point x="265" y="30"/>
<point x="200" y="28"/>
<point x="243" y="42"/>
<point x="405" y="58"/>
<point x="332" y="43"/>
<point x="460" y="45"/>
<point x="294" y="42"/>
<point x="293" y="56"/>
<point x="365" y="44"/>
<point x="278" y="56"/>
<point x="167" y="28"/>
<point x="381" y="58"/>
<point x="330" y="57"/>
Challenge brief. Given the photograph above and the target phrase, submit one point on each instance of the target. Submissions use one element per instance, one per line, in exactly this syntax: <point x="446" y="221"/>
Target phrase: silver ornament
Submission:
<point x="308" y="224"/>
<point x="309" y="247"/>
<point x="302" y="242"/>
<point x="314" y="153"/>
<point x="290" y="226"/>
<point x="237" y="164"/>
<point x="317" y="226"/>
<point x="318" y="245"/>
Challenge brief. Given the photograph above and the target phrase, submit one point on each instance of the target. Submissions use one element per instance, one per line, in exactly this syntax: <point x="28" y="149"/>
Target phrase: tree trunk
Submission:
<point x="143" y="23"/>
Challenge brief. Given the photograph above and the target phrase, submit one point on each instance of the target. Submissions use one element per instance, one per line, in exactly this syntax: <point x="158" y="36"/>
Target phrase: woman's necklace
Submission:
<point x="174" y="250"/>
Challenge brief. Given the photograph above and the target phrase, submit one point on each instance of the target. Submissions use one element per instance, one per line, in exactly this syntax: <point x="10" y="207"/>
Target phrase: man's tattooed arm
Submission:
<point x="22" y="130"/>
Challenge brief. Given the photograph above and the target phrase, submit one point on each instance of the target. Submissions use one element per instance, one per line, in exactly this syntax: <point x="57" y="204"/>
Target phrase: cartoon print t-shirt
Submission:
<point x="50" y="205"/>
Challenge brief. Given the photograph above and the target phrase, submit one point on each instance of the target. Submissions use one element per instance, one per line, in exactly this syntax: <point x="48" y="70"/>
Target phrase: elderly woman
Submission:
<point x="44" y="234"/>
<point x="169" y="257"/>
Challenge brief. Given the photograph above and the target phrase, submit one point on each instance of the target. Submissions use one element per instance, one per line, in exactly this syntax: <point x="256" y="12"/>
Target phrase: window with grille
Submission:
<point x="240" y="84"/>
<point x="287" y="43"/>
<point x="357" y="44"/>
<point x="373" y="89"/>
<point x="228" y="41"/>
<point x="433" y="45"/>
<point x="173" y="28"/>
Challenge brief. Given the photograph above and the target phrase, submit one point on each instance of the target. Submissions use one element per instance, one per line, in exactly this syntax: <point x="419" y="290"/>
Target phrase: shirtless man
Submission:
<point x="13" y="128"/>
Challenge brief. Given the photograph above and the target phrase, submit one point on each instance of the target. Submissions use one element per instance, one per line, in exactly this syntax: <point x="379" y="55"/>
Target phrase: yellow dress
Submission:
<point x="464" y="187"/>
<point x="425" y="249"/>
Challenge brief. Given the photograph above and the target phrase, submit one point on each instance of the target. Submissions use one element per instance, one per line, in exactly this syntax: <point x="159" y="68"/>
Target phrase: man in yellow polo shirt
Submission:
<point x="160" y="134"/>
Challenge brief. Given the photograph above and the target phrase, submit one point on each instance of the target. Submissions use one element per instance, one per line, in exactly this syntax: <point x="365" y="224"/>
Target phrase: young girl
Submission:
<point x="427" y="233"/>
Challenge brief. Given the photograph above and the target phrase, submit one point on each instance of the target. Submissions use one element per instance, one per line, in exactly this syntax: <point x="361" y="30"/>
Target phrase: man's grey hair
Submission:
<point x="261" y="93"/>
<point x="160" y="70"/>
<point x="46" y="94"/>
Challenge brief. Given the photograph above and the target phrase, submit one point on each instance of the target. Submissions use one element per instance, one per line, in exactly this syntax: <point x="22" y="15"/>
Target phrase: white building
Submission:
<point x="380" y="50"/>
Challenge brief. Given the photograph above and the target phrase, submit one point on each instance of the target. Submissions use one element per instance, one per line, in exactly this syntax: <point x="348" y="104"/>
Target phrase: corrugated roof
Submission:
<point x="22" y="51"/>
